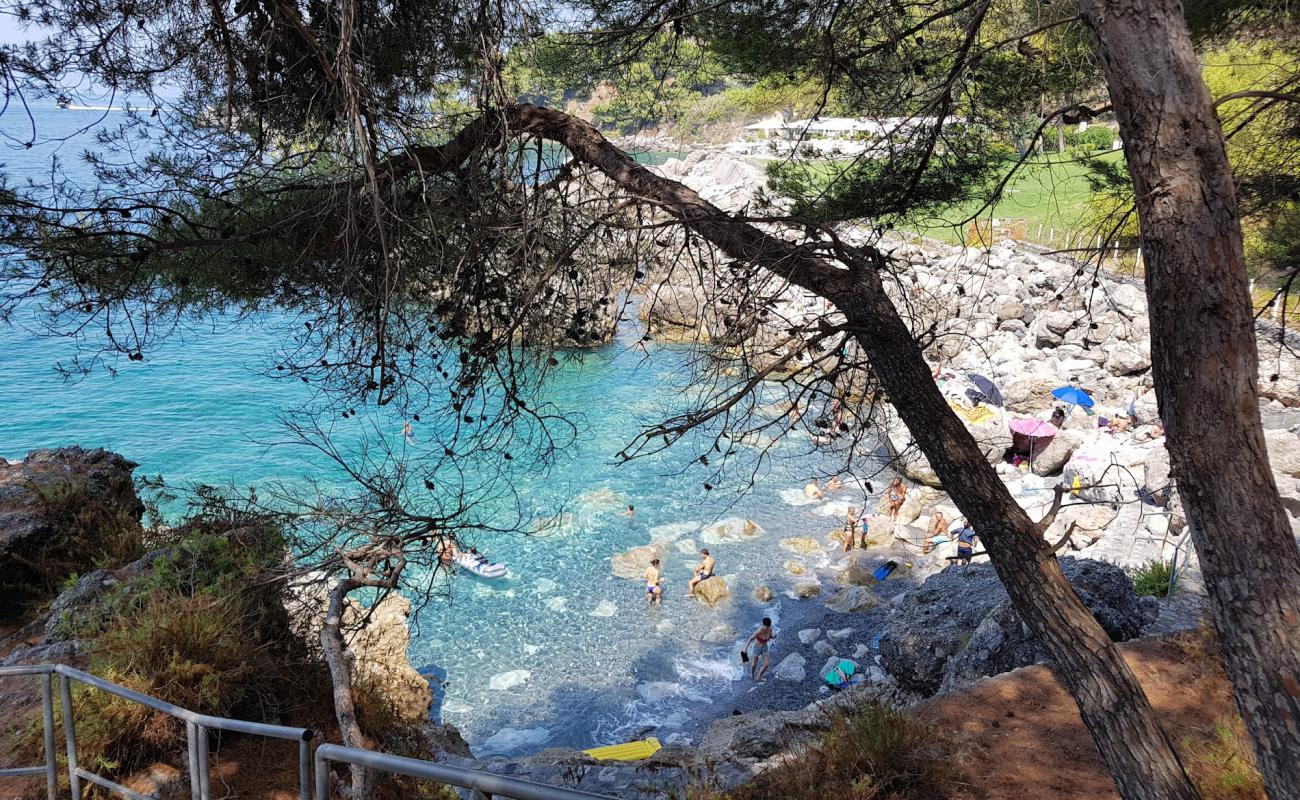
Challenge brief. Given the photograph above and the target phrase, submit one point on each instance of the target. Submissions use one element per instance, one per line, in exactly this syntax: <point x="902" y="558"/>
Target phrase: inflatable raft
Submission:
<point x="631" y="751"/>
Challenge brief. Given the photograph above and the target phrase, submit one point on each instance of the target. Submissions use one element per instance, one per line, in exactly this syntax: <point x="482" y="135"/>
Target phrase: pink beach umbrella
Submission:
<point x="1033" y="428"/>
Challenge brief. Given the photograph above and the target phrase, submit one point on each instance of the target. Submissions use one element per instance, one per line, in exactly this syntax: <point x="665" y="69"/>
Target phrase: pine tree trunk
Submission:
<point x="1205" y="363"/>
<point x="334" y="650"/>
<point x="1133" y="746"/>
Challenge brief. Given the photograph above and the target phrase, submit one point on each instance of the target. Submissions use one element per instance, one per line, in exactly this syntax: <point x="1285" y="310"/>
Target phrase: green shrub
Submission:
<point x="1153" y="578"/>
<point x="1095" y="137"/>
<point x="85" y="533"/>
<point x="205" y="628"/>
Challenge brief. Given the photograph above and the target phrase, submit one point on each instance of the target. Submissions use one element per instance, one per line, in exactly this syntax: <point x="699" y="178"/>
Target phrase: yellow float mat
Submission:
<point x="632" y="751"/>
<point x="975" y="416"/>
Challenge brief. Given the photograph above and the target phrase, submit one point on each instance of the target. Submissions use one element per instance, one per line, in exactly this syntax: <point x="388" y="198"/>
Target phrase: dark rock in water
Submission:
<point x="61" y="512"/>
<point x="959" y="625"/>
<point x="445" y="740"/>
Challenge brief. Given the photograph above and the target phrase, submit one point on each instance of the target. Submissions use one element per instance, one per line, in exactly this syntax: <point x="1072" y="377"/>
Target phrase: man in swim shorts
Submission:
<point x="654" y="588"/>
<point x="759" y="639"/>
<point x="703" y="571"/>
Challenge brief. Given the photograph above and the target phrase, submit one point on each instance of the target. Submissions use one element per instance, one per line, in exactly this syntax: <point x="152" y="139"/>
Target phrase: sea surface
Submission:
<point x="559" y="653"/>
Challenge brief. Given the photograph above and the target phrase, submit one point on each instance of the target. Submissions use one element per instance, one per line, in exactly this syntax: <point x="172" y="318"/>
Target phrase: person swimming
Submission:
<point x="631" y="511"/>
<point x="654" y="585"/>
<point x="703" y="572"/>
<point x="407" y="431"/>
<point x="812" y="491"/>
<point x="447" y="550"/>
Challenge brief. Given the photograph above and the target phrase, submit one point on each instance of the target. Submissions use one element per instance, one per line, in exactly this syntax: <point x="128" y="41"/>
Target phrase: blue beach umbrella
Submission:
<point x="1073" y="395"/>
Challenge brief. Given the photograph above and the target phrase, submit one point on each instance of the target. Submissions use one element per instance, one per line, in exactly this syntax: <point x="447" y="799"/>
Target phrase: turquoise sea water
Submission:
<point x="561" y="652"/>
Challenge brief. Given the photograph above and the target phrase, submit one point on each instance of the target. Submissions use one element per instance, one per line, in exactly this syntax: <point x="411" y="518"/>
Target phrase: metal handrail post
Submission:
<point x="70" y="735"/>
<point x="47" y="713"/>
<point x="304" y="769"/>
<point x="205" y="776"/>
<point x="192" y="758"/>
<point x="322" y="777"/>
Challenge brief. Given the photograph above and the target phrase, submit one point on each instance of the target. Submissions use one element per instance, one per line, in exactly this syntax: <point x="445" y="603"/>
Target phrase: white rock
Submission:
<point x="842" y="633"/>
<point x="809" y="635"/>
<point x="791" y="668"/>
<point x="606" y="608"/>
<point x="505" y="681"/>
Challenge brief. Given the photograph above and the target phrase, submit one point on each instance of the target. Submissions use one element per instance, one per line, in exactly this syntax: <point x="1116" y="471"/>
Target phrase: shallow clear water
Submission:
<point x="561" y="652"/>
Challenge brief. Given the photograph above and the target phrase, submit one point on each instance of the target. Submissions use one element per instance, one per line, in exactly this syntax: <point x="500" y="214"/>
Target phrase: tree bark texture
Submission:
<point x="334" y="650"/>
<point x="1203" y="352"/>
<point x="1116" y="711"/>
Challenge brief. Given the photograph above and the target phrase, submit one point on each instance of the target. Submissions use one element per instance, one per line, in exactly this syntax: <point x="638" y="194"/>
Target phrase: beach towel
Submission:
<point x="975" y="416"/>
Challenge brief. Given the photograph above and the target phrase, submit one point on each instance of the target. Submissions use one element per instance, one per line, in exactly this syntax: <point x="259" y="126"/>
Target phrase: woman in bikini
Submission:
<point x="654" y="588"/>
<point x="760" y="639"/>
<point x="895" y="496"/>
<point x="851" y="529"/>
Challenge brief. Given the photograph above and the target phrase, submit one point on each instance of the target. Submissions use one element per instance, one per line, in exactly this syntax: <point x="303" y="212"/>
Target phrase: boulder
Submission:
<point x="1052" y="459"/>
<point x="791" y="668"/>
<point x="763" y="594"/>
<point x="959" y="624"/>
<point x="42" y="499"/>
<point x="378" y="651"/>
<point x="809" y="635"/>
<point x="795" y="567"/>
<point x="823" y="648"/>
<point x="1011" y="310"/>
<point x="803" y="545"/>
<point x="754" y="736"/>
<point x="1156" y="473"/>
<point x="1125" y="359"/>
<point x="851" y="599"/>
<point x="632" y="564"/>
<point x="856" y="575"/>
<point x="712" y="590"/>
<point x="806" y="589"/>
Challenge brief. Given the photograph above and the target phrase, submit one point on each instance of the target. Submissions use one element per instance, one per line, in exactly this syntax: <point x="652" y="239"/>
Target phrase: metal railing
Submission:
<point x="486" y="782"/>
<point x="196" y="735"/>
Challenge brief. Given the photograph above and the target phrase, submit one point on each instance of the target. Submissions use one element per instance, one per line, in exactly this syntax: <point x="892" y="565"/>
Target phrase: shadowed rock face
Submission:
<point x="959" y="625"/>
<point x="61" y="511"/>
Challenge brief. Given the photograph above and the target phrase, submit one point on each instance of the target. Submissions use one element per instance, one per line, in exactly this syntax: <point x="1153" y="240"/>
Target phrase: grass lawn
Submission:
<point x="1049" y="194"/>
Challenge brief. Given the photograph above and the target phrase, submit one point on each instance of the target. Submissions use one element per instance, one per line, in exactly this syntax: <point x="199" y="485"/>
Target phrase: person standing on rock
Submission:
<point x="654" y="587"/>
<point x="895" y="496"/>
<point x="759" y="657"/>
<point x="966" y="539"/>
<point x="851" y="530"/>
<point x="702" y="573"/>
